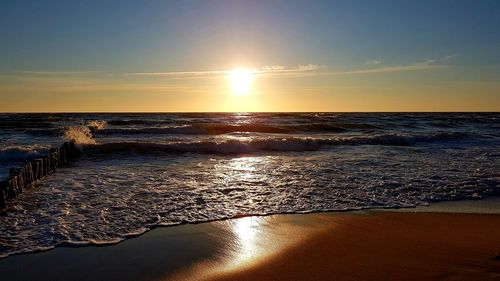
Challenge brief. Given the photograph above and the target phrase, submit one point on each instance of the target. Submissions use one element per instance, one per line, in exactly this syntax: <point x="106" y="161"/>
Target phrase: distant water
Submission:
<point x="143" y="170"/>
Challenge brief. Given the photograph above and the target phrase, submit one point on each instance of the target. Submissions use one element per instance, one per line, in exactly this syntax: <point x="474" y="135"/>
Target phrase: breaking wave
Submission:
<point x="122" y="122"/>
<point x="272" y="144"/>
<point x="219" y="129"/>
<point x="97" y="124"/>
<point x="79" y="134"/>
<point x="12" y="154"/>
<point x="405" y="140"/>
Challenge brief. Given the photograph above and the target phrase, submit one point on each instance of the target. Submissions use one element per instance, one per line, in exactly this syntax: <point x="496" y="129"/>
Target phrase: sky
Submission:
<point x="178" y="56"/>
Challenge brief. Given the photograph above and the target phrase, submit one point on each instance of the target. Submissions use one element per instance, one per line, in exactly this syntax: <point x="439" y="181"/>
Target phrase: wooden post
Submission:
<point x="67" y="150"/>
<point x="39" y="168"/>
<point x="62" y="156"/>
<point x="26" y="175"/>
<point x="45" y="166"/>
<point x="12" y="188"/>
<point x="30" y="173"/>
<point x="3" y="194"/>
<point x="20" y="180"/>
<point x="16" y="175"/>
<point x="54" y="156"/>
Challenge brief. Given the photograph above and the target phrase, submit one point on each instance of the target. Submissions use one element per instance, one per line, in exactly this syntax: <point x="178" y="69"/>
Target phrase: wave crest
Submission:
<point x="97" y="124"/>
<point x="231" y="146"/>
<point x="79" y="134"/>
<point x="219" y="129"/>
<point x="13" y="154"/>
<point x="276" y="144"/>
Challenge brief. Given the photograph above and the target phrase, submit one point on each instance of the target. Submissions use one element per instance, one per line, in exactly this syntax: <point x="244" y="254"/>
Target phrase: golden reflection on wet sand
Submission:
<point x="251" y="240"/>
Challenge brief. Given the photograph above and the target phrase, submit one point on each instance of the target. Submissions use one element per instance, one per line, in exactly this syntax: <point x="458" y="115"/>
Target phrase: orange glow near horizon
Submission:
<point x="239" y="90"/>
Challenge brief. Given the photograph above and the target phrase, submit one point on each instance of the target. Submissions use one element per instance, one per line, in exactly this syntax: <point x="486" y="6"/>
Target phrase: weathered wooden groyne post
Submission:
<point x="26" y="174"/>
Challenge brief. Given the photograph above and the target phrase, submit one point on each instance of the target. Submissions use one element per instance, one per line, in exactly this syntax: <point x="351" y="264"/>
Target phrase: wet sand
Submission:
<point x="389" y="246"/>
<point x="372" y="245"/>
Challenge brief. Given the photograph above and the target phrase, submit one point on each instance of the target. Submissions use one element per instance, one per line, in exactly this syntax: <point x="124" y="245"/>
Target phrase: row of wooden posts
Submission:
<point x="28" y="173"/>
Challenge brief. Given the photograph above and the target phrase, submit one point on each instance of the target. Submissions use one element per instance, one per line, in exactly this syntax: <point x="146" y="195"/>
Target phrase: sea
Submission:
<point x="140" y="171"/>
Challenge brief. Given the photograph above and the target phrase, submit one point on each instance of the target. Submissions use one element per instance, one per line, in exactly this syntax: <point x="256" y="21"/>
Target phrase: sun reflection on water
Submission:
<point x="243" y="171"/>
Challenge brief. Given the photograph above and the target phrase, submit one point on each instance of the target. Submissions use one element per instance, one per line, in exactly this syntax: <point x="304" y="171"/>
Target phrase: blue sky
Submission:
<point x="115" y="37"/>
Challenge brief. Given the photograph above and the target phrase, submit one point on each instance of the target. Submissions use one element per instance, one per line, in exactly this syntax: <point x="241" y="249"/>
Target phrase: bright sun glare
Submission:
<point x="241" y="81"/>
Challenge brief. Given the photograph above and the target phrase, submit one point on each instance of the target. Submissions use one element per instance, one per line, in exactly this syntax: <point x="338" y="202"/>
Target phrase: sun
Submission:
<point x="241" y="81"/>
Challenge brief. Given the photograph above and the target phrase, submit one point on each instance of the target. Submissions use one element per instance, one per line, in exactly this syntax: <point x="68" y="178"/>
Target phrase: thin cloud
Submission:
<point x="259" y="70"/>
<point x="55" y="73"/>
<point x="430" y="64"/>
<point x="425" y="65"/>
<point x="448" y="57"/>
<point x="179" y="73"/>
<point x="296" y="69"/>
<point x="310" y="67"/>
<point x="373" y="62"/>
<point x="273" y="68"/>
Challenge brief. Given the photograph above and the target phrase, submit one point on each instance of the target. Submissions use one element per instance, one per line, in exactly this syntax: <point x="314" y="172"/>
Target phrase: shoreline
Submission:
<point x="194" y="250"/>
<point x="489" y="205"/>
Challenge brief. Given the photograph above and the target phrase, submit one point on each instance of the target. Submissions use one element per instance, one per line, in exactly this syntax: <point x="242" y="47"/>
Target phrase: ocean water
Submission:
<point x="140" y="171"/>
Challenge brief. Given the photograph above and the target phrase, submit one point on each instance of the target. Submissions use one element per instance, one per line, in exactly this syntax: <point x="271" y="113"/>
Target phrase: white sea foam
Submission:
<point x="79" y="134"/>
<point x="97" y="124"/>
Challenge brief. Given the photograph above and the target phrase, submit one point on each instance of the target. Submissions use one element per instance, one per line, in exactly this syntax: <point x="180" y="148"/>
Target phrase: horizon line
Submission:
<point x="208" y="112"/>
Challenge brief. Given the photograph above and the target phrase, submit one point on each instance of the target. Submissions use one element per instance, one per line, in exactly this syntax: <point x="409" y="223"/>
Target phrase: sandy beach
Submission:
<point x="390" y="246"/>
<point x="364" y="245"/>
